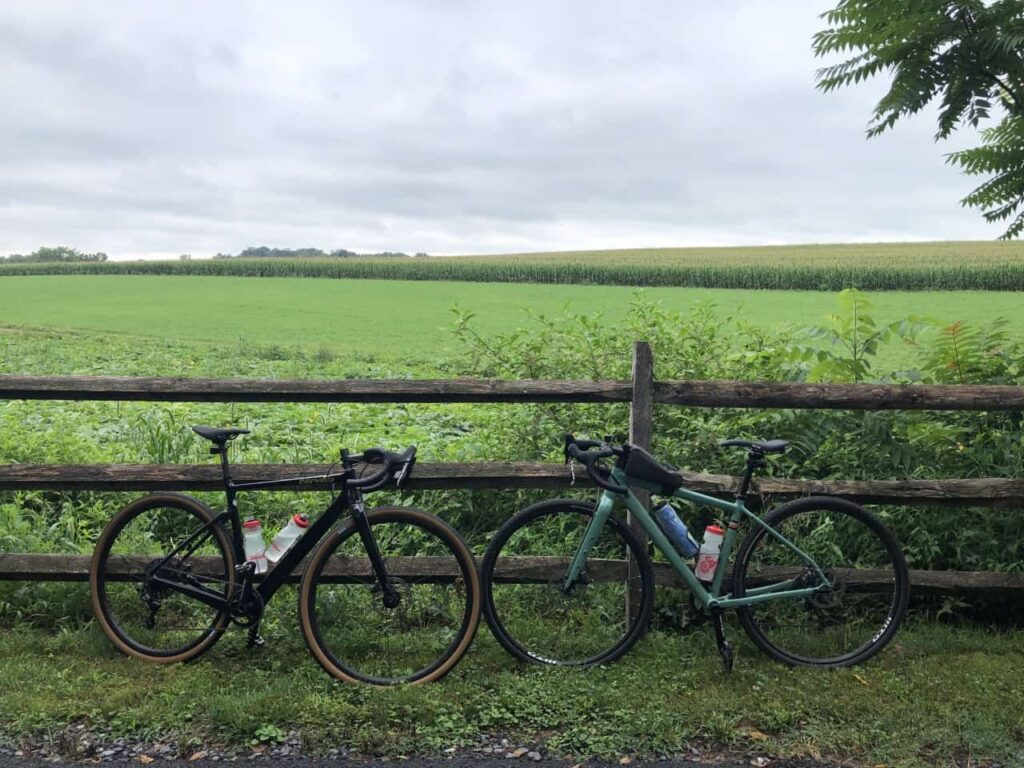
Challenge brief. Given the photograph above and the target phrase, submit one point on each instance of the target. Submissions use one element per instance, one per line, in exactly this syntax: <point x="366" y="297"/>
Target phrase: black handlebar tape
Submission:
<point x="390" y="461"/>
<point x="589" y="460"/>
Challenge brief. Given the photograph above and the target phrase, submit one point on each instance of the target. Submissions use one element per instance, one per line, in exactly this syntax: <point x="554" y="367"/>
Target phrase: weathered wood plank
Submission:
<point x="207" y="477"/>
<point x="641" y="425"/>
<point x="57" y="567"/>
<point x="768" y="394"/>
<point x="982" y="491"/>
<point x="309" y="391"/>
<point x="735" y="394"/>
<point x="71" y="568"/>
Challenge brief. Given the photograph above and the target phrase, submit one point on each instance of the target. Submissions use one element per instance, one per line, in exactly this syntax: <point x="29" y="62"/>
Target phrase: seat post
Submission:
<point x="222" y="449"/>
<point x="755" y="460"/>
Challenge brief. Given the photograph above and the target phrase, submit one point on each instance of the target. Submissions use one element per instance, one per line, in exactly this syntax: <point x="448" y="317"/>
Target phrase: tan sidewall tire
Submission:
<point x="114" y="527"/>
<point x="327" y="546"/>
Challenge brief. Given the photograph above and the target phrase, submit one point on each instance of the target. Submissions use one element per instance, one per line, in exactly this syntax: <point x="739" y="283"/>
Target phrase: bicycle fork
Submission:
<point x="389" y="594"/>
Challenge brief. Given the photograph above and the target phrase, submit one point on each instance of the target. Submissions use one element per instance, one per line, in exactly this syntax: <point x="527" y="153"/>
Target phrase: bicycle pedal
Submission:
<point x="255" y="640"/>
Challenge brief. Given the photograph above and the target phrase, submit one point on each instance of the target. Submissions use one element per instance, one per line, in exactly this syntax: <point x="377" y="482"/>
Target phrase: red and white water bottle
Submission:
<point x="252" y="541"/>
<point x="286" y="537"/>
<point x="707" y="560"/>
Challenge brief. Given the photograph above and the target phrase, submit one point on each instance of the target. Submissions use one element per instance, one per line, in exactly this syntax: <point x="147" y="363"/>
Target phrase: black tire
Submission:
<point x="181" y="627"/>
<point x="515" y="610"/>
<point x="839" y="628"/>
<point x="418" y="641"/>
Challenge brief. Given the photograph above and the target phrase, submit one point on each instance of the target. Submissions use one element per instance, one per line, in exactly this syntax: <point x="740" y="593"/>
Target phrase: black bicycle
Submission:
<point x="390" y="596"/>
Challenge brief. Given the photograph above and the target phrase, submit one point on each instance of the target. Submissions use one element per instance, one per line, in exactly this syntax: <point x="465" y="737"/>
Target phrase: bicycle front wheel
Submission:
<point x="356" y="636"/>
<point x="841" y="625"/>
<point x="527" y="607"/>
<point x="147" y="549"/>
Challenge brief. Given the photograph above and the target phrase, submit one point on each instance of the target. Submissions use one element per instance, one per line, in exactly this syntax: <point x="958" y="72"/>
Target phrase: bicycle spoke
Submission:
<point x="381" y="642"/>
<point x="530" y="611"/>
<point x="152" y="618"/>
<point x="840" y="624"/>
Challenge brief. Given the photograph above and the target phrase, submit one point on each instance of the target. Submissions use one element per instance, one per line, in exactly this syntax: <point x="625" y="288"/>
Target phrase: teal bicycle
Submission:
<point x="818" y="581"/>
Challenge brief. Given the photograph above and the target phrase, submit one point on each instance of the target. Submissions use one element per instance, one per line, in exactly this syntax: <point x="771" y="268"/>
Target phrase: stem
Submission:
<point x="1009" y="91"/>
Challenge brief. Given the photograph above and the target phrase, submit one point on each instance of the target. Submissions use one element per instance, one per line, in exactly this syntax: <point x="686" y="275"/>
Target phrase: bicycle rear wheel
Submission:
<point x="355" y="636"/>
<point x="840" y="626"/>
<point x="524" y="571"/>
<point x="141" y="616"/>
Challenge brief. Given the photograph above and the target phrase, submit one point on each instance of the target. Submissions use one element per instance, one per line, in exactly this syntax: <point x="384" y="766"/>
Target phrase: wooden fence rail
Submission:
<point x="981" y="491"/>
<point x="705" y="394"/>
<point x="642" y="392"/>
<point x="514" y="570"/>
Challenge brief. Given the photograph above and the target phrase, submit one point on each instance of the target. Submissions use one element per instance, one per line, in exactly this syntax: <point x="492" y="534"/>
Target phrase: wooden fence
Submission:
<point x="642" y="392"/>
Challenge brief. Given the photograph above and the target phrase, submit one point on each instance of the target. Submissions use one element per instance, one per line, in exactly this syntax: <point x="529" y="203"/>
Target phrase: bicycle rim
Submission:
<point x="527" y="607"/>
<point x="840" y="625"/>
<point x="142" y="617"/>
<point x="357" y="637"/>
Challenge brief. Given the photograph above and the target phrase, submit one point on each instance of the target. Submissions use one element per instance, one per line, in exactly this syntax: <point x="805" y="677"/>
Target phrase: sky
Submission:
<point x="155" y="129"/>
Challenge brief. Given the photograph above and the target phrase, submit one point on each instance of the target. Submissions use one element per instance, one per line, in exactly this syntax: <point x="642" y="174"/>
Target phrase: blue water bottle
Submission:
<point x="676" y="531"/>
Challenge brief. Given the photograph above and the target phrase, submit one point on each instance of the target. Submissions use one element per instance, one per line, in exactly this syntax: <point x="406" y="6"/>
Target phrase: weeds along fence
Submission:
<point x="643" y="392"/>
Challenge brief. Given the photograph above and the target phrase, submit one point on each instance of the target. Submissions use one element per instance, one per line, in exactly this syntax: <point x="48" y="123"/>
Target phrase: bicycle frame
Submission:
<point x="267" y="586"/>
<point x="710" y="598"/>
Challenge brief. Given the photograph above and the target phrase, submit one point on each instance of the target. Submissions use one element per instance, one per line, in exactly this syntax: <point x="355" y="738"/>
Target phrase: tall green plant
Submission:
<point x="853" y="339"/>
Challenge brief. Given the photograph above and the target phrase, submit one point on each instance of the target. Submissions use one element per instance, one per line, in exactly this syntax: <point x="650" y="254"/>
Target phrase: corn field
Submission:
<point x="907" y="267"/>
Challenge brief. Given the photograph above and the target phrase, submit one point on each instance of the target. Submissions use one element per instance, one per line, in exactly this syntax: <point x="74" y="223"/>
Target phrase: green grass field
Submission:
<point x="406" y="321"/>
<point x="936" y="694"/>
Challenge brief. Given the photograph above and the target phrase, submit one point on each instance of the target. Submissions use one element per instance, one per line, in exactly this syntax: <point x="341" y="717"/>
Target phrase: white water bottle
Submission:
<point x="252" y="541"/>
<point x="710" y="547"/>
<point x="286" y="537"/>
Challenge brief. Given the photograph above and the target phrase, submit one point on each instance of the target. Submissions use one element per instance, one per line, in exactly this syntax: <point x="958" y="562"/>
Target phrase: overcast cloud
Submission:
<point x="145" y="129"/>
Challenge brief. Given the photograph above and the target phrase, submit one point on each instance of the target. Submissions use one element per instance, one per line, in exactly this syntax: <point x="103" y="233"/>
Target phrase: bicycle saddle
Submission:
<point x="761" y="446"/>
<point x="219" y="435"/>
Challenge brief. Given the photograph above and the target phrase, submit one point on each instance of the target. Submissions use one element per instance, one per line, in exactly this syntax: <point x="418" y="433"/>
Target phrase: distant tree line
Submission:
<point x="59" y="253"/>
<point x="63" y="253"/>
<point x="264" y="252"/>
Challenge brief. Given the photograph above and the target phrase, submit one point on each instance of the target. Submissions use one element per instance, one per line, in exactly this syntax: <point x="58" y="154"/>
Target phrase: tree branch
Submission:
<point x="1007" y="89"/>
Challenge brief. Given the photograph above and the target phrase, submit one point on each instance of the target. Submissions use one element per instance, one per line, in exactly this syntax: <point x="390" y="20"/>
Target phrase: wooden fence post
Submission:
<point x="641" y="412"/>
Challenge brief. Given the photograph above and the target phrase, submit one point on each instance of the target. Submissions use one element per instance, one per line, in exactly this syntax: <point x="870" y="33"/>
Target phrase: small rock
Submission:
<point x="449" y="751"/>
<point x="760" y="762"/>
<point x="535" y="756"/>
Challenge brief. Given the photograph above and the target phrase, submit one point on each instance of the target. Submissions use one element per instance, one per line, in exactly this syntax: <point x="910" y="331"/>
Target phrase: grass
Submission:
<point x="880" y="266"/>
<point x="937" y="692"/>
<point x="402" y="321"/>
